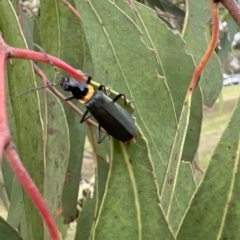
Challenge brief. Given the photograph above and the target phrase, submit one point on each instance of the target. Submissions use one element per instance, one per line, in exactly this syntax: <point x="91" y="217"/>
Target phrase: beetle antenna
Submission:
<point x="37" y="88"/>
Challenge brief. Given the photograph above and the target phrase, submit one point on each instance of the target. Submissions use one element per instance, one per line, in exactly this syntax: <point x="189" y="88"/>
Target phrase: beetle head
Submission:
<point x="79" y="89"/>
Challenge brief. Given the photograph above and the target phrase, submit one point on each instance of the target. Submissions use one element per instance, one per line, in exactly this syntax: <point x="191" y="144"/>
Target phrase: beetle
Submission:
<point x="113" y="118"/>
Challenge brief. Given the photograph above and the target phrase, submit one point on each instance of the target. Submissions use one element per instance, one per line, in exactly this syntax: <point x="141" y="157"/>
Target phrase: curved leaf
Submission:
<point x="226" y="38"/>
<point x="61" y="34"/>
<point x="73" y="174"/>
<point x="62" y="37"/>
<point x="57" y="152"/>
<point x="16" y="209"/>
<point x="131" y="200"/>
<point x="26" y="114"/>
<point x="172" y="171"/>
<point x="214" y="209"/>
<point x="86" y="220"/>
<point x="8" y="177"/>
<point x="7" y="232"/>
<point x="166" y="6"/>
<point x="185" y="188"/>
<point x="194" y="127"/>
<point x="164" y="42"/>
<point x="123" y="60"/>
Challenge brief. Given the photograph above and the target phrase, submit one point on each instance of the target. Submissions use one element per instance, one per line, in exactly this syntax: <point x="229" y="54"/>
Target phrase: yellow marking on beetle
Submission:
<point x="89" y="95"/>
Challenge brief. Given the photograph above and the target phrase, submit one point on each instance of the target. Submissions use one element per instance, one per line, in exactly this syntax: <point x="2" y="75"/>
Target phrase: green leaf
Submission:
<point x="7" y="232"/>
<point x="172" y="171"/>
<point x="62" y="36"/>
<point x="122" y="60"/>
<point x="63" y="228"/>
<point x="226" y="37"/>
<point x="3" y="195"/>
<point x="73" y="176"/>
<point x="57" y="152"/>
<point x="28" y="29"/>
<point x="195" y="33"/>
<point x="16" y="214"/>
<point x="103" y="171"/>
<point x="194" y="127"/>
<point x="184" y="190"/>
<point x="26" y="115"/>
<point x="16" y="209"/>
<point x="166" y="6"/>
<point x="177" y="78"/>
<point x="23" y="227"/>
<point x="214" y="209"/>
<point x="86" y="220"/>
<point x="131" y="200"/>
<point x="8" y="177"/>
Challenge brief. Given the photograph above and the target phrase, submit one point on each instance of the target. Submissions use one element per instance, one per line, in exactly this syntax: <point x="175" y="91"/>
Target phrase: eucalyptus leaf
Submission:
<point x="213" y="212"/>
<point x="26" y="114"/>
<point x="7" y="232"/>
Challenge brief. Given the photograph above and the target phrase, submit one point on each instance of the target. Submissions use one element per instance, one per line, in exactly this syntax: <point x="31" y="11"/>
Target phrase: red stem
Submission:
<point x="233" y="8"/>
<point x="4" y="130"/>
<point x="11" y="154"/>
<point x="72" y="9"/>
<point x="31" y="189"/>
<point x="41" y="57"/>
<point x="211" y="47"/>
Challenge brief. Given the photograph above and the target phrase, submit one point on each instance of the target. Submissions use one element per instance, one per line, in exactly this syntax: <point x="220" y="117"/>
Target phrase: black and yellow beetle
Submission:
<point x="113" y="118"/>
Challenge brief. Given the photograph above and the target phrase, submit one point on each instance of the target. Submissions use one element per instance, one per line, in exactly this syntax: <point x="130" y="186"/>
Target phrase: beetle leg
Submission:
<point x="100" y="138"/>
<point x="89" y="78"/>
<point x="103" y="89"/>
<point x="85" y="116"/>
<point x="107" y="92"/>
<point x="71" y="97"/>
<point x="119" y="96"/>
<point x="126" y="102"/>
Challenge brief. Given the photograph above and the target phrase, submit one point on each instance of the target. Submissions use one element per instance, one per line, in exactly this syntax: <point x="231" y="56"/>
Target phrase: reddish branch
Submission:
<point x="6" y="147"/>
<point x="4" y="130"/>
<point x="72" y="9"/>
<point x="31" y="189"/>
<point x="211" y="47"/>
<point x="41" y="57"/>
<point x="233" y="8"/>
